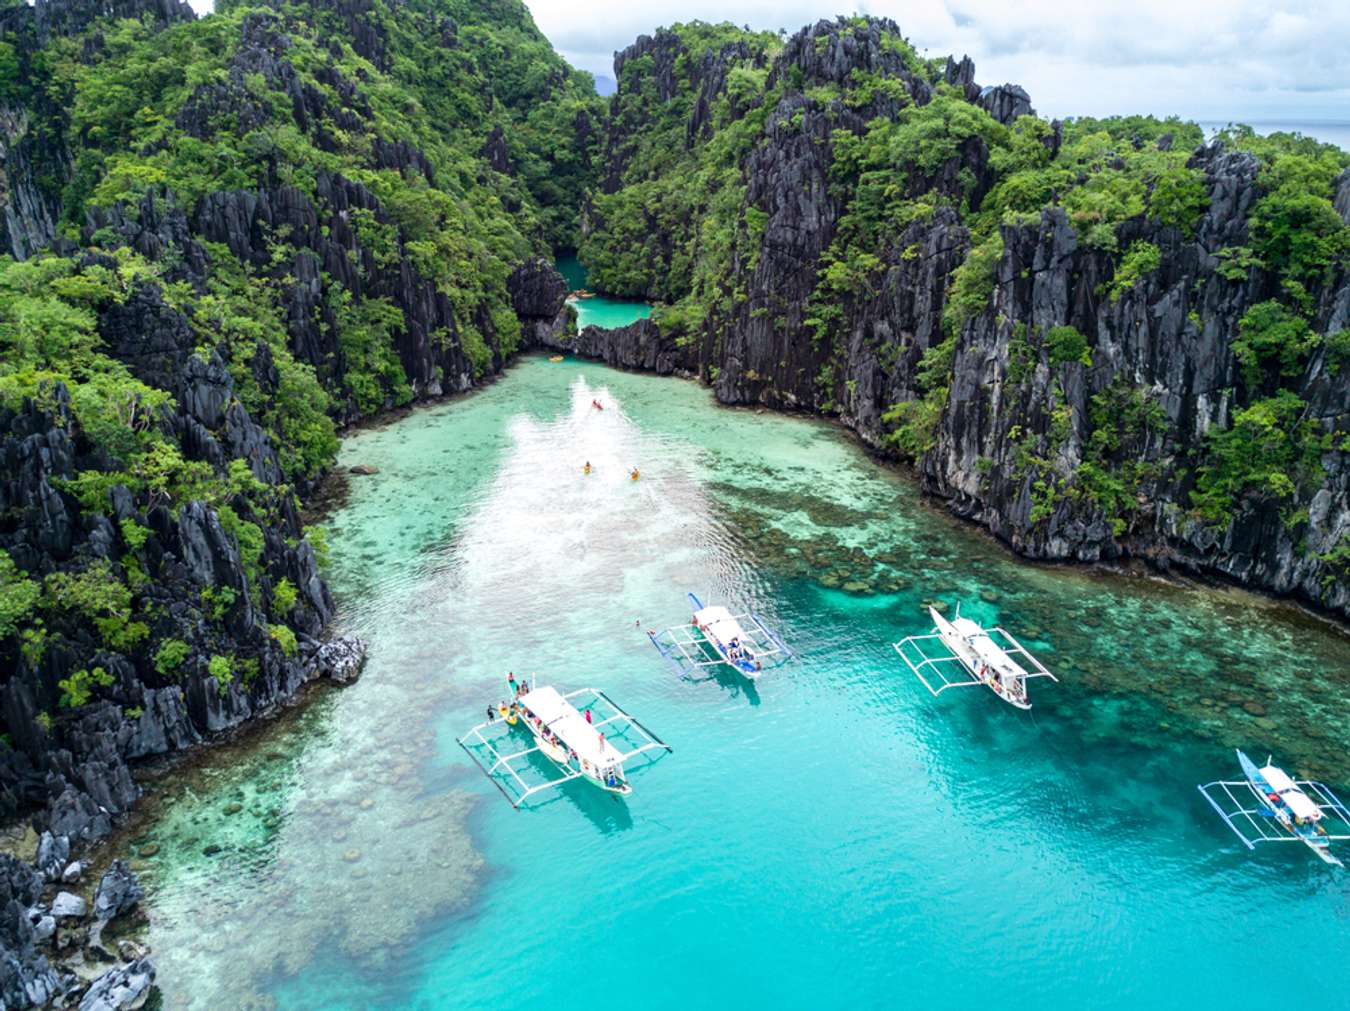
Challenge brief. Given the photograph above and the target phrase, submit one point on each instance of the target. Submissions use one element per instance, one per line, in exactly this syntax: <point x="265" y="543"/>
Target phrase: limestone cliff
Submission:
<point x="1071" y="338"/>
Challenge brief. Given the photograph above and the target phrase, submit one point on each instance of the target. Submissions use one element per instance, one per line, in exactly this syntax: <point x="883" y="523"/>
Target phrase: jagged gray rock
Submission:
<point x="119" y="987"/>
<point x="118" y="891"/>
<point x="68" y="905"/>
<point x="1006" y="102"/>
<point x="340" y="660"/>
<point x="53" y="854"/>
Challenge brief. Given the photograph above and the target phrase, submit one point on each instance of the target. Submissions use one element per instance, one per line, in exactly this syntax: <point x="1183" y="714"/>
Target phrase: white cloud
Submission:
<point x="1252" y="60"/>
<point x="1207" y="59"/>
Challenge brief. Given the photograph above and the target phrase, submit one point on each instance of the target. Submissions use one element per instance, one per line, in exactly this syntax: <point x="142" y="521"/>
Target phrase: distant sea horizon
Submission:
<point x="1328" y="131"/>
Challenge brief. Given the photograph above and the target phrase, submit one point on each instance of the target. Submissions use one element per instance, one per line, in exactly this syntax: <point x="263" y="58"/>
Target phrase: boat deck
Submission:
<point x="1253" y="822"/>
<point x="524" y="772"/>
<point x="690" y="650"/>
<point x="939" y="671"/>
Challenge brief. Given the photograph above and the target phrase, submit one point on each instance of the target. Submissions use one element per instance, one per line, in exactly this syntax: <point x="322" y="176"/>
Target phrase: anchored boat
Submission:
<point x="716" y="637"/>
<point x="1286" y="810"/>
<point x="583" y="734"/>
<point x="973" y="656"/>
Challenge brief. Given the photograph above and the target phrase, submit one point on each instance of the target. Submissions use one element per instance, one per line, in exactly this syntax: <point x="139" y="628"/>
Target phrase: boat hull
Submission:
<point x="562" y="759"/>
<point x="956" y="642"/>
<point x="1306" y="833"/>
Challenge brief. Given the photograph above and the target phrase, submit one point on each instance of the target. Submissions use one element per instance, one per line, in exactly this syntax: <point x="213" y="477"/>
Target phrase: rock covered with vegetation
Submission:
<point x="1098" y="338"/>
<point x="227" y="237"/>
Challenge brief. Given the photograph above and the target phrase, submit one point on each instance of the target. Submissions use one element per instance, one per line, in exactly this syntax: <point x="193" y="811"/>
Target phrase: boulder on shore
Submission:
<point x="117" y="892"/>
<point x="340" y="660"/>
<point x="53" y="854"/>
<point x="120" y="987"/>
<point x="68" y="905"/>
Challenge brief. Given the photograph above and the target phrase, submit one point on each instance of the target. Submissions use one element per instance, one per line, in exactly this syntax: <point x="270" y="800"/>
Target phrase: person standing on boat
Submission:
<point x="588" y="716"/>
<point x="511" y="680"/>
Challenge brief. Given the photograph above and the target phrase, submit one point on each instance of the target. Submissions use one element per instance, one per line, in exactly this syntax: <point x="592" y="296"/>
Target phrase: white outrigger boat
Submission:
<point x="717" y="637"/>
<point x="975" y="656"/>
<point x="583" y="734"/>
<point x="1286" y="810"/>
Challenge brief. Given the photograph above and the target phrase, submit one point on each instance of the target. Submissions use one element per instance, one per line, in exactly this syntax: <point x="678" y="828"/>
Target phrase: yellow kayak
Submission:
<point x="555" y="358"/>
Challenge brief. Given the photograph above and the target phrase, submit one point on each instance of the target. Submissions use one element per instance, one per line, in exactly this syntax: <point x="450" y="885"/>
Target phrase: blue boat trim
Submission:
<point x="1242" y="819"/>
<point x="686" y="647"/>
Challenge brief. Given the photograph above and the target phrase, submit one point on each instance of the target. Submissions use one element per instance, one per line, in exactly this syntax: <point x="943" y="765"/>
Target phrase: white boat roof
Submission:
<point x="718" y="622"/>
<point x="984" y="647"/>
<point x="561" y="717"/>
<point x="1299" y="802"/>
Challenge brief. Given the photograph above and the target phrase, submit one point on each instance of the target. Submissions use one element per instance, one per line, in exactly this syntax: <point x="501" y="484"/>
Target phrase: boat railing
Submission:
<point x="686" y="647"/>
<point x="505" y="769"/>
<point x="937" y="673"/>
<point x="1257" y="823"/>
<point x="1015" y="647"/>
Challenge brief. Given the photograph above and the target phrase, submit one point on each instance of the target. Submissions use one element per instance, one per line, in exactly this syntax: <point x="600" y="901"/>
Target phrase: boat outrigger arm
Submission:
<point x="506" y="768"/>
<point x="717" y="637"/>
<point x="1251" y="817"/>
<point x="968" y="650"/>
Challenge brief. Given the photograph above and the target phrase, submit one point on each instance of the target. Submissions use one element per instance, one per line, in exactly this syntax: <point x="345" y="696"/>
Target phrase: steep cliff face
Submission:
<point x="1095" y="339"/>
<point x="230" y="236"/>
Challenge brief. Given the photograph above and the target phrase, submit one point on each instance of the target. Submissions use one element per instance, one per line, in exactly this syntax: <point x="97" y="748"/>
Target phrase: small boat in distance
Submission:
<point x="715" y="636"/>
<point x="583" y="734"/>
<point x="977" y="656"/>
<point x="1286" y="810"/>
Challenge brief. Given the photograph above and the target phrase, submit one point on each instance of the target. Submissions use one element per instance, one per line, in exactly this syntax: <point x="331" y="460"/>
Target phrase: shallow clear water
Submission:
<point x="573" y="272"/>
<point x="607" y="313"/>
<point x="834" y="837"/>
<point x="598" y="310"/>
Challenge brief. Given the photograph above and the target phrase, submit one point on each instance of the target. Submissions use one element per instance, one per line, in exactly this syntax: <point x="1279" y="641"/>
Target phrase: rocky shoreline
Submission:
<point x="59" y="944"/>
<point x="640" y="347"/>
<point x="1094" y="453"/>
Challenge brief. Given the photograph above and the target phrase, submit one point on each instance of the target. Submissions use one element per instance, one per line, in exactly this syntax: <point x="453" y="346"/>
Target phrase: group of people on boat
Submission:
<point x="506" y="711"/>
<point x="1015" y="687"/>
<point x="737" y="653"/>
<point x="1286" y="814"/>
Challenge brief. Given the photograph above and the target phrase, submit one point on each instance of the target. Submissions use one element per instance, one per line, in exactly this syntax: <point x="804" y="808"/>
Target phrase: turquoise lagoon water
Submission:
<point x="572" y="271"/>
<point x="598" y="310"/>
<point x="831" y="837"/>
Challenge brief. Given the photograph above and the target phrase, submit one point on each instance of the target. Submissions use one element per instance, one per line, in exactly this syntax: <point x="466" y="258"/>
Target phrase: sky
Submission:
<point x="1211" y="60"/>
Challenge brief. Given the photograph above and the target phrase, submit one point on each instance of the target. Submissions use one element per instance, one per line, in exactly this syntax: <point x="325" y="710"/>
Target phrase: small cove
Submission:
<point x="597" y="310"/>
<point x="829" y="837"/>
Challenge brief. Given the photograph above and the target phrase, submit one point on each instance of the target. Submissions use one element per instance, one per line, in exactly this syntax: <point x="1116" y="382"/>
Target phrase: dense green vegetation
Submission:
<point x="671" y="230"/>
<point x="468" y="144"/>
<point x="677" y="229"/>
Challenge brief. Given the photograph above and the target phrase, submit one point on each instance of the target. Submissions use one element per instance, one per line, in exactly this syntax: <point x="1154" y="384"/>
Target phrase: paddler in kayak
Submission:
<point x="633" y="474"/>
<point x="586" y="469"/>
